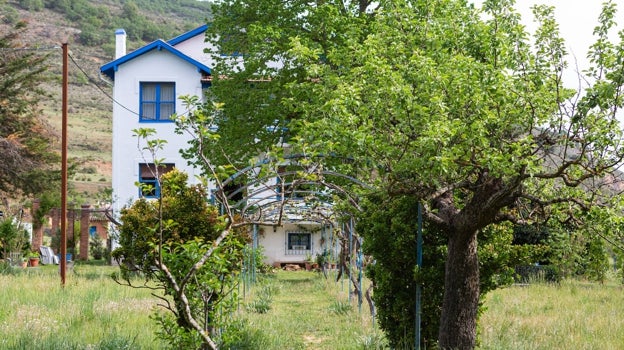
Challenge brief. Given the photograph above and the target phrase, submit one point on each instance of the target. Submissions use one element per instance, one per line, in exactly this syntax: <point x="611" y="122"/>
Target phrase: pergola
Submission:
<point x="298" y="190"/>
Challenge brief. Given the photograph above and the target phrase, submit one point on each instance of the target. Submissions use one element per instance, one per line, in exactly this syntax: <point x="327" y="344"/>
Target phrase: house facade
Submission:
<point x="147" y="85"/>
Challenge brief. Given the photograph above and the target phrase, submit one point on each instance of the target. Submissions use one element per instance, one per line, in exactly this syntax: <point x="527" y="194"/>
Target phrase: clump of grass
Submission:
<point x="374" y="341"/>
<point x="340" y="307"/>
<point x="262" y="303"/>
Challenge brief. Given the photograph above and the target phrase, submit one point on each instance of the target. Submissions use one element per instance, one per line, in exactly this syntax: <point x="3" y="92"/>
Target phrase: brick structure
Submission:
<point x="37" y="234"/>
<point x="85" y="214"/>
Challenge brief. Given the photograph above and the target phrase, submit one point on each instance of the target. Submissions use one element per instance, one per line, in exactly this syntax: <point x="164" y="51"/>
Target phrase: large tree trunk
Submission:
<point x="458" y="322"/>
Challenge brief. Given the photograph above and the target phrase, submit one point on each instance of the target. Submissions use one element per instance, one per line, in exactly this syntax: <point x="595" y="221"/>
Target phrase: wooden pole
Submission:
<point x="63" y="262"/>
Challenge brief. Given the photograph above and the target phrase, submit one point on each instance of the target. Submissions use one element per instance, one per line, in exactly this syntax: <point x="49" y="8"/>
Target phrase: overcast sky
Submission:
<point x="576" y="18"/>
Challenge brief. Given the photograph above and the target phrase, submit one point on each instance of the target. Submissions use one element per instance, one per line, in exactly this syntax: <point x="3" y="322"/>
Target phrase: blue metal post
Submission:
<point x="349" y="262"/>
<point x="419" y="244"/>
<point x="254" y="247"/>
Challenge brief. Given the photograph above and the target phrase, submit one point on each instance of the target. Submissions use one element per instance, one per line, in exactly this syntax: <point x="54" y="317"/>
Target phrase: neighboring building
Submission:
<point x="147" y="85"/>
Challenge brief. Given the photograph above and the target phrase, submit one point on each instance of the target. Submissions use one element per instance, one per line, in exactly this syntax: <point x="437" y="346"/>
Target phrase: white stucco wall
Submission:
<point x="194" y="47"/>
<point x="275" y="242"/>
<point x="154" y="66"/>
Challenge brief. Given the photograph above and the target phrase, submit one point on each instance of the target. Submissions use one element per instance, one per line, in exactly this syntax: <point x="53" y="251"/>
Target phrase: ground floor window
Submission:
<point x="298" y="243"/>
<point x="149" y="187"/>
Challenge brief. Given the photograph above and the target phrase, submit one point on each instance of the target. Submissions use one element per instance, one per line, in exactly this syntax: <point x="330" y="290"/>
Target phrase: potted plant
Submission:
<point x="308" y="261"/>
<point x="33" y="259"/>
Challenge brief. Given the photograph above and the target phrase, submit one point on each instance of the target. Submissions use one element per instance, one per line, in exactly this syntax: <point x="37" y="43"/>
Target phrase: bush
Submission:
<point x="97" y="247"/>
<point x="532" y="273"/>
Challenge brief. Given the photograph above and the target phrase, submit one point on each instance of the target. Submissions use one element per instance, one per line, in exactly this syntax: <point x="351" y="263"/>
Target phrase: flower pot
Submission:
<point x="33" y="262"/>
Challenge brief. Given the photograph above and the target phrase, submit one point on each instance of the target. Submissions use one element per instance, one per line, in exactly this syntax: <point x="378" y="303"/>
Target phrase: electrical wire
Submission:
<point x="94" y="82"/>
<point x="40" y="48"/>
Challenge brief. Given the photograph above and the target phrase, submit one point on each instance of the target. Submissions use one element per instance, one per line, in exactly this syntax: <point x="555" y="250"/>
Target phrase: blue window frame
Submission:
<point x="149" y="187"/>
<point x="157" y="101"/>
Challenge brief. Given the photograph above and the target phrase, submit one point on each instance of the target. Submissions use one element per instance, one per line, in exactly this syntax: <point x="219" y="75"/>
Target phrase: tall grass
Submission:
<point x="90" y="312"/>
<point x="570" y="315"/>
<point x="290" y="310"/>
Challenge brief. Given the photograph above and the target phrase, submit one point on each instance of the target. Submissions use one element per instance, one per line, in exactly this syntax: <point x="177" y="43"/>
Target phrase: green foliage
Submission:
<point x="457" y="107"/>
<point x="31" y="5"/>
<point x="373" y="341"/>
<point x="97" y="248"/>
<point x="174" y="335"/>
<point x="12" y="237"/>
<point x="8" y="14"/>
<point x="97" y="22"/>
<point x="389" y="228"/>
<point x="30" y="165"/>
<point x="240" y="335"/>
<point x="263" y="298"/>
<point x="47" y="201"/>
<point x="185" y="215"/>
<point x="165" y="240"/>
<point x="389" y="231"/>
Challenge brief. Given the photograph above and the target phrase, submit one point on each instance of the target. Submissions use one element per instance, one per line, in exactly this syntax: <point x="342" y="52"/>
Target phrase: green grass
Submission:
<point x="290" y="310"/>
<point x="309" y="312"/>
<point x="571" y="315"/>
<point x="90" y="312"/>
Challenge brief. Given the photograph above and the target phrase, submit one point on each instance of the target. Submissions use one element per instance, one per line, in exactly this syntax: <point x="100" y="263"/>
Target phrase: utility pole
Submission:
<point x="63" y="262"/>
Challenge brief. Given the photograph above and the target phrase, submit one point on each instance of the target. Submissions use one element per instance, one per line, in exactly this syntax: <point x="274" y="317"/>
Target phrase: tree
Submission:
<point x="389" y="227"/>
<point x="27" y="160"/>
<point x="164" y="240"/>
<point x="435" y="100"/>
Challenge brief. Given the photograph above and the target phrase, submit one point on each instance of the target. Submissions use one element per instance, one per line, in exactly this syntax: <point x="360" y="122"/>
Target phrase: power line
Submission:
<point x="92" y="81"/>
<point x="39" y="48"/>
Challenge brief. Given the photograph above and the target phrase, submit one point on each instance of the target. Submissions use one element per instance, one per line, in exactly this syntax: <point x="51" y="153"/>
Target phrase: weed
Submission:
<point x="340" y="307"/>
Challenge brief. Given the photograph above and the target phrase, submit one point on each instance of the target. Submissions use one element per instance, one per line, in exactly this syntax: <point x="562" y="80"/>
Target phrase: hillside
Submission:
<point x="88" y="27"/>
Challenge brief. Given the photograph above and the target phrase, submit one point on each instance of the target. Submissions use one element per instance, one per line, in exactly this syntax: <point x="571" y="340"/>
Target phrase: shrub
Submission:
<point x="97" y="247"/>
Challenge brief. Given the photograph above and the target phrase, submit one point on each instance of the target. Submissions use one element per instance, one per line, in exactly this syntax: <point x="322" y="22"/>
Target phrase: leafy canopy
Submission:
<point x="458" y="108"/>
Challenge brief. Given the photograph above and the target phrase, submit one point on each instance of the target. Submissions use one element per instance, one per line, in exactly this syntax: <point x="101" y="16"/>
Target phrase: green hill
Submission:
<point x="88" y="27"/>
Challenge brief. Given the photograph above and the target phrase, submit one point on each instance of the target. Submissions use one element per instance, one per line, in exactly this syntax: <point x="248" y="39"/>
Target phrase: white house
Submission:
<point x="147" y="84"/>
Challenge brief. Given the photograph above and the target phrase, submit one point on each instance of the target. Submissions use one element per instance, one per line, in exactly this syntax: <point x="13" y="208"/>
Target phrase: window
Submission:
<point x="148" y="186"/>
<point x="299" y="243"/>
<point x="157" y="102"/>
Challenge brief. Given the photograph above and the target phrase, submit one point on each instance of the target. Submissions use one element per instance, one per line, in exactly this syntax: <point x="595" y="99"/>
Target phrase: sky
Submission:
<point x="576" y="18"/>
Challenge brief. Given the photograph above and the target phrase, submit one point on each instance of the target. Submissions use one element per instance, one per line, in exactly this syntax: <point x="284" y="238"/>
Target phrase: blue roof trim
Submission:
<point x="110" y="68"/>
<point x="183" y="37"/>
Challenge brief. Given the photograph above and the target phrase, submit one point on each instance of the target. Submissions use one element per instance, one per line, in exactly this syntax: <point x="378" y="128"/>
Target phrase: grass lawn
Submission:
<point x="308" y="311"/>
<point x="290" y="310"/>
<point x="90" y="312"/>
<point x="571" y="315"/>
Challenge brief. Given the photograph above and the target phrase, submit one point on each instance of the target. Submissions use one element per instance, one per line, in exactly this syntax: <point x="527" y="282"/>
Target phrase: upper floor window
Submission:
<point x="157" y="101"/>
<point x="149" y="187"/>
